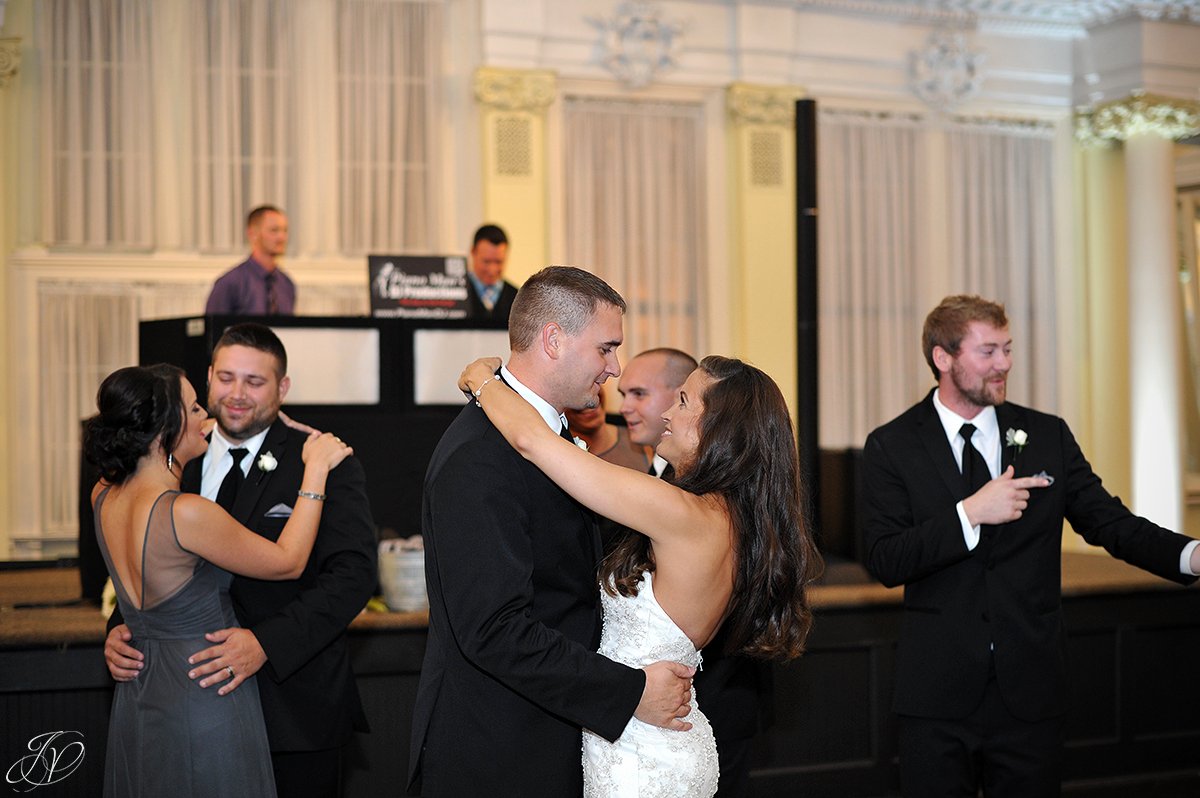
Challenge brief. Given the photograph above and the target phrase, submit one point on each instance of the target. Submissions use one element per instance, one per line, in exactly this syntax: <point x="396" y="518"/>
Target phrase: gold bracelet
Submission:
<point x="479" y="390"/>
<point x="308" y="494"/>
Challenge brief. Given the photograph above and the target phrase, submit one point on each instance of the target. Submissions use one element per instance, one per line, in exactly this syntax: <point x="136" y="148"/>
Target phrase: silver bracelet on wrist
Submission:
<point x="308" y="494"/>
<point x="479" y="390"/>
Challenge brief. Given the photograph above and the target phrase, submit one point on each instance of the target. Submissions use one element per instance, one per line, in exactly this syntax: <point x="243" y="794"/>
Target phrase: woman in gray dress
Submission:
<point x="170" y="556"/>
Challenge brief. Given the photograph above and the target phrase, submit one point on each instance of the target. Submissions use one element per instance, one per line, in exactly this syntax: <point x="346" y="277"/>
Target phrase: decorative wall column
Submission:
<point x="762" y="139"/>
<point x="513" y="105"/>
<point x="1148" y="125"/>
<point x="1101" y="293"/>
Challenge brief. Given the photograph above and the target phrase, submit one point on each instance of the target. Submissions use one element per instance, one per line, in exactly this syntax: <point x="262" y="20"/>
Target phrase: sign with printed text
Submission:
<point x="418" y="286"/>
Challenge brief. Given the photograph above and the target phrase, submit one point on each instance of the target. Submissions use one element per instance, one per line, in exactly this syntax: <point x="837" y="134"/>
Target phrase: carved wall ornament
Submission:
<point x="1049" y="16"/>
<point x="637" y="43"/>
<point x="531" y="90"/>
<point x="751" y="104"/>
<point x="10" y="60"/>
<point x="947" y="72"/>
<point x="1139" y="113"/>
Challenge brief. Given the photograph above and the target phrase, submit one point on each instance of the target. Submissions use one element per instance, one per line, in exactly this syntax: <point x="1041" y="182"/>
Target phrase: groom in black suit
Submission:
<point x="975" y="539"/>
<point x="511" y="672"/>
<point x="293" y="632"/>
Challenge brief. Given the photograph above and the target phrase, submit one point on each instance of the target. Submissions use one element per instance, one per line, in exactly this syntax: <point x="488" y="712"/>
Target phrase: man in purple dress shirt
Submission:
<point x="257" y="286"/>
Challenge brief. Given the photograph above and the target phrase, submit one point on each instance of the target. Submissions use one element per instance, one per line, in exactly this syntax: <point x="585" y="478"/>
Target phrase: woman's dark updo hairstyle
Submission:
<point x="746" y="455"/>
<point x="138" y="406"/>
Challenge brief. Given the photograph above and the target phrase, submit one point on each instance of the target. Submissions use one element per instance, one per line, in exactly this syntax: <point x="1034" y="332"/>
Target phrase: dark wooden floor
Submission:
<point x="1133" y="731"/>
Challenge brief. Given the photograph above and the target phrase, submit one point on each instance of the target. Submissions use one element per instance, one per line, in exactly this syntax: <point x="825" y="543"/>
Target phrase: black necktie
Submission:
<point x="668" y="473"/>
<point x="652" y="472"/>
<point x="227" y="493"/>
<point x="974" y="468"/>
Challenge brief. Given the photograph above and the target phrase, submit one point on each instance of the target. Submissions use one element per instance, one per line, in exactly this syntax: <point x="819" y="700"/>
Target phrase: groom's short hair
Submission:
<point x="946" y="325"/>
<point x="562" y="294"/>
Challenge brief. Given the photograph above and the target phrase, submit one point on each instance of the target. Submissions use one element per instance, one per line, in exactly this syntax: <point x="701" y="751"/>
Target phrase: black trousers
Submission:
<point x="990" y="749"/>
<point x="734" y="757"/>
<point x="308" y="774"/>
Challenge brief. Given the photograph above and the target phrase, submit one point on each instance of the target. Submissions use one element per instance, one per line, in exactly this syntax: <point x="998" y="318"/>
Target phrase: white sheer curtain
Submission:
<point x="85" y="334"/>
<point x="96" y="122"/>
<point x="242" y="118"/>
<point x="634" y="212"/>
<point x="1000" y="226"/>
<point x="913" y="210"/>
<point x="869" y="193"/>
<point x="387" y="118"/>
<point x="167" y="121"/>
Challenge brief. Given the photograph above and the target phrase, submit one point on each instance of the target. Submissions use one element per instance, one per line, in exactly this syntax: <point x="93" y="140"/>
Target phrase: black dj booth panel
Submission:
<point x="395" y="434"/>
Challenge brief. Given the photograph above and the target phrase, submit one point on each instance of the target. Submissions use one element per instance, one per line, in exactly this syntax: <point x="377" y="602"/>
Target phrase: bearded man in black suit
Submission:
<point x="293" y="633"/>
<point x="976" y="540"/>
<point x="511" y="674"/>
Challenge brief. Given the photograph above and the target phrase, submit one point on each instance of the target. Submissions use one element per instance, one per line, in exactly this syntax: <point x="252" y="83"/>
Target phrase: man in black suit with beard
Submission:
<point x="511" y="672"/>
<point x="293" y="633"/>
<point x="965" y="500"/>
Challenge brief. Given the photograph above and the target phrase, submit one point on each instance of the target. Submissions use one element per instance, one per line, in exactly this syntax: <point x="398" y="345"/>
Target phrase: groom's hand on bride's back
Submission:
<point x="667" y="696"/>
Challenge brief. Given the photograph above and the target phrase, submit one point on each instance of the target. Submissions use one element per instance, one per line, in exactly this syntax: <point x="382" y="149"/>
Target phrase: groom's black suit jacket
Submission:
<point x="511" y="671"/>
<point x="309" y="697"/>
<point x="1006" y="593"/>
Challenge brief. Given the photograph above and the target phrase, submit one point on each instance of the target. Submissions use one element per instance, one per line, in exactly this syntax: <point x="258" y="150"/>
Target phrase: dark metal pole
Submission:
<point x="806" y="299"/>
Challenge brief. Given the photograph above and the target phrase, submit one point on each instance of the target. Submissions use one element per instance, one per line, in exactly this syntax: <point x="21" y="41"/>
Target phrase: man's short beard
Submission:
<point x="980" y="397"/>
<point x="253" y="428"/>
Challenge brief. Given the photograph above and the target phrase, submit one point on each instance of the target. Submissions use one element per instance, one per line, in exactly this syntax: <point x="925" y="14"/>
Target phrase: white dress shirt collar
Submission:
<point x="217" y="462"/>
<point x="660" y="464"/>
<point x="555" y="420"/>
<point x="987" y="432"/>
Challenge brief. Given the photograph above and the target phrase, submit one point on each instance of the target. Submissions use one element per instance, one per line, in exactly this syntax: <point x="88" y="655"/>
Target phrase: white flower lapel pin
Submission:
<point x="581" y="443"/>
<point x="266" y="464"/>
<point x="1016" y="438"/>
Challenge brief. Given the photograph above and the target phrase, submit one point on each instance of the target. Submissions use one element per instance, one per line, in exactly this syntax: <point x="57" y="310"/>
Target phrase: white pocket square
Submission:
<point x="280" y="510"/>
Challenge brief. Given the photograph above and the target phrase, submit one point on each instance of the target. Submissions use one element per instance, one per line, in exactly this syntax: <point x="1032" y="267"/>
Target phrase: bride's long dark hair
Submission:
<point x="746" y="455"/>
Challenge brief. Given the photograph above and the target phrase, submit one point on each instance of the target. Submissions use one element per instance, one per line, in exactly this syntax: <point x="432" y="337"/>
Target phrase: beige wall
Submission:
<point x="762" y="220"/>
<point x="16" y="24"/>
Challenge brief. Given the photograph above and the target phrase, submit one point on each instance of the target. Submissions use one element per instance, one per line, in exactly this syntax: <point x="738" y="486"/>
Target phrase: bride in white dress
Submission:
<point x="727" y="543"/>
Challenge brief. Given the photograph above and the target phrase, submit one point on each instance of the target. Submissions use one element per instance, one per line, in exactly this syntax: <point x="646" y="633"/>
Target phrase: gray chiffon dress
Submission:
<point x="167" y="736"/>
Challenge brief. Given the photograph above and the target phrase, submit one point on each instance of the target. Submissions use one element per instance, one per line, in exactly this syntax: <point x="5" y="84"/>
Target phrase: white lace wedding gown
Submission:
<point x="649" y="762"/>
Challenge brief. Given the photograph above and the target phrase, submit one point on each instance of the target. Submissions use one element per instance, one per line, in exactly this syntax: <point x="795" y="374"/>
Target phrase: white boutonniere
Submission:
<point x="1017" y="438"/>
<point x="581" y="443"/>
<point x="267" y="462"/>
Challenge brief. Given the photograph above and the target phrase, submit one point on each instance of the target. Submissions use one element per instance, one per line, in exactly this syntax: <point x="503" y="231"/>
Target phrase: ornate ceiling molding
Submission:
<point x="637" y="43"/>
<point x="531" y="90"/>
<point x="1053" y="14"/>
<point x="752" y="104"/>
<point x="10" y="60"/>
<point x="1140" y="113"/>
<point x="946" y="73"/>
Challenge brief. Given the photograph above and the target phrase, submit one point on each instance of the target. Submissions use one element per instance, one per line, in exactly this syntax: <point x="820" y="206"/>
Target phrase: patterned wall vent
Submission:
<point x="766" y="158"/>
<point x="514" y="146"/>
